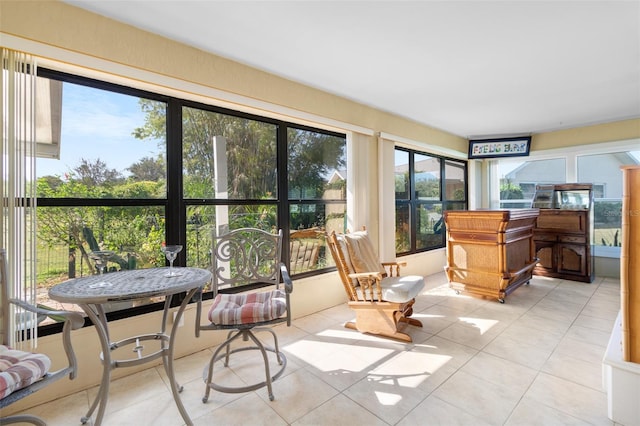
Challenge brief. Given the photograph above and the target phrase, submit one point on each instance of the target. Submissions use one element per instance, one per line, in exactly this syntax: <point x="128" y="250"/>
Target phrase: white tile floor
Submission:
<point x="535" y="360"/>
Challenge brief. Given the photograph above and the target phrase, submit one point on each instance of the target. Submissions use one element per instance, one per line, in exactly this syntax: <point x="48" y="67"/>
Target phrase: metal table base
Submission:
<point x="92" y="304"/>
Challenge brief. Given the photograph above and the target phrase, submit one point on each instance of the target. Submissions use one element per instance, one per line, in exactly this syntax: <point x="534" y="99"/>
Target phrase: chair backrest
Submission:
<point x="304" y="249"/>
<point x="353" y="253"/>
<point x="343" y="263"/>
<point x="245" y="258"/>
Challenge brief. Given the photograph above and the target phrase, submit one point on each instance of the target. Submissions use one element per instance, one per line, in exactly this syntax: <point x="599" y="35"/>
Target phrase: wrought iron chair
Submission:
<point x="381" y="298"/>
<point x="246" y="258"/>
<point x="23" y="373"/>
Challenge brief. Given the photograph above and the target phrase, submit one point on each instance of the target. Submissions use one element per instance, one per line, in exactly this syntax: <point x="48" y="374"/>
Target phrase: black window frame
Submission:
<point x="414" y="203"/>
<point x="174" y="203"/>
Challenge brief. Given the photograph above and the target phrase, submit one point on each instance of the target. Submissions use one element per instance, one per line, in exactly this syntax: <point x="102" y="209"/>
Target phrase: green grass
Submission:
<point x="607" y="237"/>
<point x="52" y="265"/>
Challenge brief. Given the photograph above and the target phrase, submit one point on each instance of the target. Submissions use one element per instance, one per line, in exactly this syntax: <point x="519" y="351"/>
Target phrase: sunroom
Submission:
<point x="138" y="122"/>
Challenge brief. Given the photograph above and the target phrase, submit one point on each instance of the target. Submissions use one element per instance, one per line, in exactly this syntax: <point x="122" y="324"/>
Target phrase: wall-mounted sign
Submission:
<point x="503" y="147"/>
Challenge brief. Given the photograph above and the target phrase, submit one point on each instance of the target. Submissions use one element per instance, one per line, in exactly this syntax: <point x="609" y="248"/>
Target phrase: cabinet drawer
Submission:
<point x="562" y="220"/>
<point x="572" y="239"/>
<point x="544" y="237"/>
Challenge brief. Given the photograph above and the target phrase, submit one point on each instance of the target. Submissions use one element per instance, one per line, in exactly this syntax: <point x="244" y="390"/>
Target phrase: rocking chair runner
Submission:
<point x="381" y="298"/>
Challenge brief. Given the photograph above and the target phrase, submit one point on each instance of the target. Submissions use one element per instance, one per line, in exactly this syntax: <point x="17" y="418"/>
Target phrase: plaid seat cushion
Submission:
<point x="19" y="369"/>
<point x="230" y="309"/>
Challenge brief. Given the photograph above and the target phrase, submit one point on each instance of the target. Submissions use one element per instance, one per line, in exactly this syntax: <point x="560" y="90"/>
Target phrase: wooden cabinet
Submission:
<point x="490" y="252"/>
<point x="563" y="241"/>
<point x="630" y="264"/>
<point x="573" y="260"/>
<point x="563" y="245"/>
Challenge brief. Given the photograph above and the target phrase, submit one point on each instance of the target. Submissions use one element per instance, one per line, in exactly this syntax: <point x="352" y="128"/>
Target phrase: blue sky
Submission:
<point x="97" y="124"/>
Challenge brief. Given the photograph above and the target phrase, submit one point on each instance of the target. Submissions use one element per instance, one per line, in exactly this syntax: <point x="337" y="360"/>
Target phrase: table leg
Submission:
<point x="97" y="315"/>
<point x="168" y="357"/>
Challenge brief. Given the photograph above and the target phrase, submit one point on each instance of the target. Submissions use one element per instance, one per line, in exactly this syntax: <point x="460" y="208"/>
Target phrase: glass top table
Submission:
<point x="91" y="293"/>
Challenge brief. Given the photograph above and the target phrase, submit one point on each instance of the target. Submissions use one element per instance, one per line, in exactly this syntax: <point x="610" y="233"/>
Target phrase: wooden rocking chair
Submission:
<point x="381" y="298"/>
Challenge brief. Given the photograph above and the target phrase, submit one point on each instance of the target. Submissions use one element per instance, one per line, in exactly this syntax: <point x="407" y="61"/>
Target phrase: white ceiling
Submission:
<point x="473" y="68"/>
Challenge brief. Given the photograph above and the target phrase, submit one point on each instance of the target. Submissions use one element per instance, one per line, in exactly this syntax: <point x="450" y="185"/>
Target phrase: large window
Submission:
<point x="426" y="186"/>
<point x="603" y="171"/>
<point x="135" y="169"/>
<point x="316" y="175"/>
<point x="517" y="180"/>
<point x="102" y="189"/>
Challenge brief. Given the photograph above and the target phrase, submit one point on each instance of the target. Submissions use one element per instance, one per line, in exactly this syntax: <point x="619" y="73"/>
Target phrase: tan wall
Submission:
<point x="607" y="132"/>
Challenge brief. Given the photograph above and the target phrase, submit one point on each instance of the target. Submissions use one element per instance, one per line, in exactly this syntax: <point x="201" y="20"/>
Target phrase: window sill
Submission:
<point x="605" y="251"/>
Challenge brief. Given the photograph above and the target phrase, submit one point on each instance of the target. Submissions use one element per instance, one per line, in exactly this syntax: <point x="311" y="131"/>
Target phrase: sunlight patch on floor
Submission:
<point x="483" y="325"/>
<point x="341" y="334"/>
<point x="385" y="398"/>
<point x="409" y="369"/>
<point x="327" y="356"/>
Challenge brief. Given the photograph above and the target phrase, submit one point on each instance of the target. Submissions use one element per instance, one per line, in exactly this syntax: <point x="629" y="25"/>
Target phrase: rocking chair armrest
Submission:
<point x="394" y="267"/>
<point x="395" y="263"/>
<point x="357" y="275"/>
<point x="369" y="275"/>
<point x="370" y="284"/>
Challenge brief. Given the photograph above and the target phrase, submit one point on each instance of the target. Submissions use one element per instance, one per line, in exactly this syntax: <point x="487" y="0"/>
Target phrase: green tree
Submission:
<point x="510" y="191"/>
<point x="402" y="185"/>
<point x="148" y="169"/>
<point x="96" y="173"/>
<point x="311" y="157"/>
<point x="428" y="189"/>
<point x="250" y="153"/>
